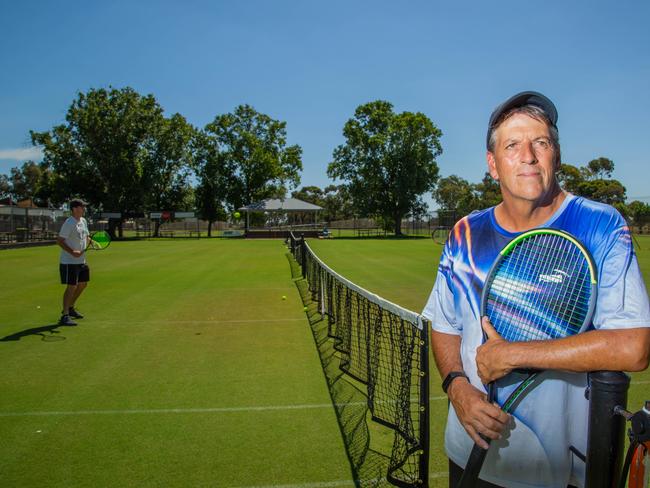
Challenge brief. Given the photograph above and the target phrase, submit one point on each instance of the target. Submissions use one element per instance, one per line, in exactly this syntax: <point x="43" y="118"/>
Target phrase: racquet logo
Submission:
<point x="558" y="277"/>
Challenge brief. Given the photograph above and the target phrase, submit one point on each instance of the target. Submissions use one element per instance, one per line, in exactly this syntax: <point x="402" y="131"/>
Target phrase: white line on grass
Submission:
<point x="261" y="408"/>
<point x="183" y="322"/>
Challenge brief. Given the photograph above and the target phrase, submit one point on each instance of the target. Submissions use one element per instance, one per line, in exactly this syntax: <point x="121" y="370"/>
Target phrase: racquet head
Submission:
<point x="543" y="285"/>
<point x="100" y="240"/>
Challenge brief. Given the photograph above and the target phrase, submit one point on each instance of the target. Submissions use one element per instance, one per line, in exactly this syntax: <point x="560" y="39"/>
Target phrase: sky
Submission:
<point x="311" y="63"/>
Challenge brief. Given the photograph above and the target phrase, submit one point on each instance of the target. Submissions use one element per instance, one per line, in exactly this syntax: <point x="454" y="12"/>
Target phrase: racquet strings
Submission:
<point x="540" y="290"/>
<point x="101" y="239"/>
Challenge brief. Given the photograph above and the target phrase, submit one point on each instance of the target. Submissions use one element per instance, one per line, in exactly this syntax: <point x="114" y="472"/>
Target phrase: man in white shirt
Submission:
<point x="73" y="239"/>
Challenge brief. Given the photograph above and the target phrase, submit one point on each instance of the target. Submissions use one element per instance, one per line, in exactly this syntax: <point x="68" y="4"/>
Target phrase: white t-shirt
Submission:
<point x="75" y="232"/>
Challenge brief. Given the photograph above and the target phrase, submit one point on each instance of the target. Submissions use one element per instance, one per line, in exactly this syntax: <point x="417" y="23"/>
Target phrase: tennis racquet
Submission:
<point x="99" y="240"/>
<point x="543" y="285"/>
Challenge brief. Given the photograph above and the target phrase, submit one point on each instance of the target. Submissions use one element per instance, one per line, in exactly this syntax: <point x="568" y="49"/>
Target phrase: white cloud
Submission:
<point x="23" y="154"/>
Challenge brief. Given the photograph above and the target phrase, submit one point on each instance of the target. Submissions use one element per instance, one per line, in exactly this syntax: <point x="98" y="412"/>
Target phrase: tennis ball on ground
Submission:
<point x="284" y="297"/>
<point x="38" y="306"/>
<point x="304" y="309"/>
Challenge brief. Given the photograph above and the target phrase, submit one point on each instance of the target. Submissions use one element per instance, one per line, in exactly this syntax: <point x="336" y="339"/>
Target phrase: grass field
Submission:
<point x="189" y="368"/>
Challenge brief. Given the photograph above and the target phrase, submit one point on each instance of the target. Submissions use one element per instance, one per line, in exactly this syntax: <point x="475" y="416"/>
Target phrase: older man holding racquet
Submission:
<point x="531" y="446"/>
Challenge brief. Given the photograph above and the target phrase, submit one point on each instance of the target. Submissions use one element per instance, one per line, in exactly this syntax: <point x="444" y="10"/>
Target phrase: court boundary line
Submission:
<point x="261" y="408"/>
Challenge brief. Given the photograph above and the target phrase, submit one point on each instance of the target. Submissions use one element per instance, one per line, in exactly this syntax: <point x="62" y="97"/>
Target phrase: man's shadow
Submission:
<point x="48" y="333"/>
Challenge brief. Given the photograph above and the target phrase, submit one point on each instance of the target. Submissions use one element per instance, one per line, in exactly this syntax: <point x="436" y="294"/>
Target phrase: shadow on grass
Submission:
<point x="48" y="333"/>
<point x="349" y="398"/>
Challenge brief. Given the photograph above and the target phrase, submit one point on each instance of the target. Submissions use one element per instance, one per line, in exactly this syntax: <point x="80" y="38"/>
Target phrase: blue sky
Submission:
<point x="312" y="63"/>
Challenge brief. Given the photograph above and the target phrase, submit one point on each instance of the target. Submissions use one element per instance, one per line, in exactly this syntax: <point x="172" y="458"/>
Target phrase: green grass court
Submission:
<point x="189" y="368"/>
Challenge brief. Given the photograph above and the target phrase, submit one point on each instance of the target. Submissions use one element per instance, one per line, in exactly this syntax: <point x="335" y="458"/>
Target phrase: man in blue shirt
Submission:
<point x="531" y="447"/>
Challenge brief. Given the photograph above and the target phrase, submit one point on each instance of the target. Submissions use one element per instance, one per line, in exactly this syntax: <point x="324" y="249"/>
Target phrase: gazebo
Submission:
<point x="278" y="206"/>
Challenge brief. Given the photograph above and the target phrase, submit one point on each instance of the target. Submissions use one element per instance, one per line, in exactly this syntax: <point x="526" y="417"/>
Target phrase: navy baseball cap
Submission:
<point x="519" y="100"/>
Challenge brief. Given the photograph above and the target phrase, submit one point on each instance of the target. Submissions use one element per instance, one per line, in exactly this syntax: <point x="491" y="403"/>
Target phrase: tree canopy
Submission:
<point x="118" y="152"/>
<point x="388" y="160"/>
<point x="253" y="155"/>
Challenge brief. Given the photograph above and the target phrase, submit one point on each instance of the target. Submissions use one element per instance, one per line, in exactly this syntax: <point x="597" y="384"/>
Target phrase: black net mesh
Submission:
<point x="383" y="349"/>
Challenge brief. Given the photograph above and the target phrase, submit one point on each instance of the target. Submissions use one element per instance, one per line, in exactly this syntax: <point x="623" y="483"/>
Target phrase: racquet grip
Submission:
<point x="474" y="465"/>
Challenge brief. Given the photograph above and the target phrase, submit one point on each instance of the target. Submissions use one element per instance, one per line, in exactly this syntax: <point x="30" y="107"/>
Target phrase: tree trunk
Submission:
<point x="398" y="225"/>
<point x="111" y="228"/>
<point x="209" y="228"/>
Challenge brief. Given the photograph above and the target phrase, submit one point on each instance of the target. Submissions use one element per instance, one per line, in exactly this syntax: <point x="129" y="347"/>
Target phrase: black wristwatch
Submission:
<point x="451" y="377"/>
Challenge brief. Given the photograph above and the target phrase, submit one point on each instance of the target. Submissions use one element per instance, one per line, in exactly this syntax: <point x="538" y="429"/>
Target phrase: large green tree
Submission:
<point x="388" y="160"/>
<point x="118" y="152"/>
<point x="254" y="155"/>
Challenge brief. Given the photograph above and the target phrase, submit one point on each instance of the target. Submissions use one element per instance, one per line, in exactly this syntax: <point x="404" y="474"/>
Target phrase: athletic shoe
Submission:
<point x="66" y="320"/>
<point x="74" y="314"/>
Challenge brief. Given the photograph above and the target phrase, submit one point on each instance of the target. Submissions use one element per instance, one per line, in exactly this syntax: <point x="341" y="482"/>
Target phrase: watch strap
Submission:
<point x="451" y="377"/>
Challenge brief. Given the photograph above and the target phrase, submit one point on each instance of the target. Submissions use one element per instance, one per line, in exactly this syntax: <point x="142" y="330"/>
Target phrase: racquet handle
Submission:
<point x="473" y="467"/>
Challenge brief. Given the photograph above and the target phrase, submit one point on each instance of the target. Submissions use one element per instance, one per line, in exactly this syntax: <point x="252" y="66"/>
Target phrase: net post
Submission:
<point x="424" y="402"/>
<point x="303" y="255"/>
<point x="606" y="434"/>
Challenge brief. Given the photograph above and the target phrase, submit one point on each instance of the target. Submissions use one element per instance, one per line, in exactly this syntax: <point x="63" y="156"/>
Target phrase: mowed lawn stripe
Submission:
<point x="149" y="342"/>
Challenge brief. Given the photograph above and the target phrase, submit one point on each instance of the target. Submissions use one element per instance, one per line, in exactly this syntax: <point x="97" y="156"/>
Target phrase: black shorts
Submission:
<point x="73" y="274"/>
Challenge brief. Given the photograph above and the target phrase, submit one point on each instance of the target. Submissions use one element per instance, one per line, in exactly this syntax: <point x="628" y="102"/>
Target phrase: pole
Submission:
<point x="605" y="441"/>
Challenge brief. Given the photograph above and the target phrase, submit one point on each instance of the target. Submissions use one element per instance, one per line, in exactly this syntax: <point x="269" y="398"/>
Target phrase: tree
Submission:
<point x="601" y="168"/>
<point x="387" y="161"/>
<point x="337" y="203"/>
<point x="214" y="179"/>
<point x="99" y="153"/>
<point x="456" y="195"/>
<point x="639" y="213"/>
<point x="254" y="156"/>
<point x="166" y="164"/>
<point x="606" y="191"/>
<point x="488" y="192"/>
<point x="5" y="186"/>
<point x="25" y="181"/>
<point x="310" y="194"/>
<point x="570" y="177"/>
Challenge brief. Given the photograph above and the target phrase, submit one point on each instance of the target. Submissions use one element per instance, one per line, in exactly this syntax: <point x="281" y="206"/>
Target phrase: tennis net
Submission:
<point x="382" y="349"/>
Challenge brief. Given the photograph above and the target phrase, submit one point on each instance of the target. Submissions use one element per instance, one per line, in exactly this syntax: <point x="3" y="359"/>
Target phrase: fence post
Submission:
<point x="303" y="255"/>
<point x="606" y="437"/>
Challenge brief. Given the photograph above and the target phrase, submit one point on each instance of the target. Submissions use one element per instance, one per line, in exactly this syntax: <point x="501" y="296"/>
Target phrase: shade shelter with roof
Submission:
<point x="286" y="206"/>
